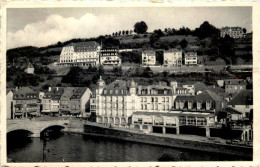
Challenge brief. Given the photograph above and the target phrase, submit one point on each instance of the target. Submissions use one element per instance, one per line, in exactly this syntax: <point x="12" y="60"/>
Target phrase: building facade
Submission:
<point x="234" y="85"/>
<point x="51" y="101"/>
<point x="9" y="104"/>
<point x="25" y="103"/>
<point x="148" y="58"/>
<point x="172" y="57"/>
<point x="109" y="56"/>
<point x="80" y="54"/>
<point x="191" y="59"/>
<point x="80" y="102"/>
<point x="233" y="32"/>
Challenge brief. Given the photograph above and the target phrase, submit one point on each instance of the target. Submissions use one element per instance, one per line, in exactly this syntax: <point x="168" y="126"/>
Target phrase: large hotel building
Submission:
<point x="89" y="53"/>
<point x="151" y="108"/>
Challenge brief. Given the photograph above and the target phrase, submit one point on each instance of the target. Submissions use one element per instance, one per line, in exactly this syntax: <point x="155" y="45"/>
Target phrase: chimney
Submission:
<point x="49" y="89"/>
<point x="139" y="89"/>
<point x="57" y="88"/>
<point x="16" y="88"/>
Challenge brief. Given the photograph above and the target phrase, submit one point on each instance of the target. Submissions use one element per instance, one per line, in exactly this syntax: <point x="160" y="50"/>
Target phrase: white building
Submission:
<point x="80" y="54"/>
<point x="172" y="57"/>
<point x="29" y="69"/>
<point x="191" y="59"/>
<point x="148" y="58"/>
<point x="109" y="56"/>
<point x="233" y="32"/>
<point x="115" y="103"/>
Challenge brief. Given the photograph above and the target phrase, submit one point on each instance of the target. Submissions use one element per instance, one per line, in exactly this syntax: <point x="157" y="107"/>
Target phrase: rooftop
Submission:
<point x="244" y="97"/>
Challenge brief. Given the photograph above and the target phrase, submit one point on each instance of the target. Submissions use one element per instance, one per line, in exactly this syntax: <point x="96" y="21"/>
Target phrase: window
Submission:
<point x="163" y="99"/>
<point x="201" y="121"/>
<point x="167" y="99"/>
<point x="116" y="91"/>
<point x="191" y="121"/>
<point x="141" y="99"/>
<point x="105" y="92"/>
<point x="152" y="99"/>
<point x="145" y="99"/>
<point x="156" y="99"/>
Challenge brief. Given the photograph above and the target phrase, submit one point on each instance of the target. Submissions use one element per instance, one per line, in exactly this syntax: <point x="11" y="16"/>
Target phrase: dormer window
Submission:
<point x="189" y="104"/>
<point x="208" y="105"/>
<point x="198" y="105"/>
<point x="105" y="92"/>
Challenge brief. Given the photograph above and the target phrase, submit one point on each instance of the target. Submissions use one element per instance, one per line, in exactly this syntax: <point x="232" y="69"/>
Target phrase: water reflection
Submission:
<point x="79" y="148"/>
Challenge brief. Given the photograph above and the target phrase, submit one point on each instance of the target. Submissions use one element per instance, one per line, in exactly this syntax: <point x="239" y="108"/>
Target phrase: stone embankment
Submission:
<point x="178" y="141"/>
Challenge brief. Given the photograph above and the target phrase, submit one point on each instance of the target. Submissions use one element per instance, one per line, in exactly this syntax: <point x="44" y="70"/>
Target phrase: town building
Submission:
<point x="80" y="102"/>
<point x="148" y="58"/>
<point x="174" y="122"/>
<point x="234" y="85"/>
<point x="9" y="104"/>
<point x="172" y="57"/>
<point x="240" y="106"/>
<point x="233" y="32"/>
<point x="51" y="101"/>
<point x="207" y="101"/>
<point x="65" y="107"/>
<point x="25" y="103"/>
<point x="109" y="56"/>
<point x="190" y="59"/>
<point x="29" y="69"/>
<point x="80" y="54"/>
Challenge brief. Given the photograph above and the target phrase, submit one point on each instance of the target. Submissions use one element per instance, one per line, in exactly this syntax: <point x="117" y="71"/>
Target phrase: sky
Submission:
<point x="45" y="26"/>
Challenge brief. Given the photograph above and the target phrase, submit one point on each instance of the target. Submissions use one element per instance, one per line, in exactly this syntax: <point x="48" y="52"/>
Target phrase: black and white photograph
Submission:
<point x="129" y="84"/>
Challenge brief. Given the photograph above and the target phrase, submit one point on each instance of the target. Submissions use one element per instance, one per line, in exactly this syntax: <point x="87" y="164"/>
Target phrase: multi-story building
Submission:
<point x="207" y="101"/>
<point x="9" y="103"/>
<point x="190" y="59"/>
<point x="51" y="101"/>
<point x="65" y="107"/>
<point x="234" y="85"/>
<point x="240" y="105"/>
<point x="80" y="54"/>
<point x="25" y="103"/>
<point x="80" y="102"/>
<point x="148" y="58"/>
<point x="233" y="32"/>
<point x="172" y="57"/>
<point x="109" y="56"/>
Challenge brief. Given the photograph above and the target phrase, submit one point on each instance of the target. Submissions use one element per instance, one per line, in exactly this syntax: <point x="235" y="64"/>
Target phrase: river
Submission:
<point x="80" y="148"/>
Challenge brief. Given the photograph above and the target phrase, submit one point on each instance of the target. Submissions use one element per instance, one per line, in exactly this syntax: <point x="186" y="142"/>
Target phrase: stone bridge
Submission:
<point x="34" y="126"/>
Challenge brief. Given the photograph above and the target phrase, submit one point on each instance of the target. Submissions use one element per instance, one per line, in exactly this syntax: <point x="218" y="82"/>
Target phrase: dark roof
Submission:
<point x="174" y="113"/>
<point x="208" y="95"/>
<point x="232" y="111"/>
<point x="235" y="82"/>
<point x="149" y="51"/>
<point x="54" y="94"/>
<point x="84" y="46"/>
<point x="119" y="85"/>
<point x="23" y="92"/>
<point x="191" y="54"/>
<point x="244" y="97"/>
<point x="79" y="93"/>
<point x="184" y="98"/>
<point x="173" y="50"/>
<point x="29" y="65"/>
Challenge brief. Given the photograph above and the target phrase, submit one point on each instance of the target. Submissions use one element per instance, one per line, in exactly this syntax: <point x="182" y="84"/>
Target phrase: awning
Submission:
<point x="32" y="105"/>
<point x="232" y="111"/>
<point x="18" y="113"/>
<point x="31" y="111"/>
<point x="18" y="105"/>
<point x="34" y="113"/>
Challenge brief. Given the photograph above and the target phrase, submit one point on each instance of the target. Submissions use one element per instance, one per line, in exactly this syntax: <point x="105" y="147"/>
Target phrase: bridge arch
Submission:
<point x="51" y="126"/>
<point x="21" y="129"/>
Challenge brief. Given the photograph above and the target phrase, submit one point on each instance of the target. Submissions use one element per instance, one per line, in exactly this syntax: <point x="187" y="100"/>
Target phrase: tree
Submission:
<point x="123" y="32"/>
<point x="140" y="27"/>
<point x="113" y="34"/>
<point x="183" y="43"/>
<point x="127" y="32"/>
<point x="244" y="30"/>
<point x="206" y="30"/>
<point x="119" y="33"/>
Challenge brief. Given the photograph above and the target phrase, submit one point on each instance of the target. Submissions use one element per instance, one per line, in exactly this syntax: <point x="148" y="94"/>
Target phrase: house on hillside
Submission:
<point x="233" y="32"/>
<point x="80" y="54"/>
<point x="172" y="57"/>
<point x="148" y="58"/>
<point x="29" y="69"/>
<point x="190" y="59"/>
<point x="109" y="56"/>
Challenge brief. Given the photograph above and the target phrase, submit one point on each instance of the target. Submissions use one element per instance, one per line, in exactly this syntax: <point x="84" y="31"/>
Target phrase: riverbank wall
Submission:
<point x="103" y="131"/>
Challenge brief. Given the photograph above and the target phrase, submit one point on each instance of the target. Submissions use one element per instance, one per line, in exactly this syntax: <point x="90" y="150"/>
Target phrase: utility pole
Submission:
<point x="44" y="147"/>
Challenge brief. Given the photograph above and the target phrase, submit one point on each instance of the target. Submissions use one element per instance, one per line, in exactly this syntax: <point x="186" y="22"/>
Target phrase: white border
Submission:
<point x="90" y="3"/>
